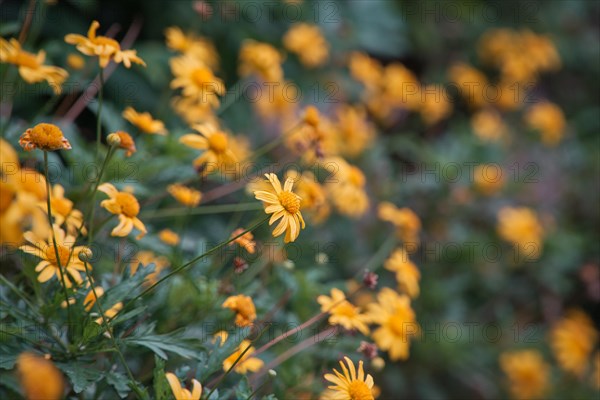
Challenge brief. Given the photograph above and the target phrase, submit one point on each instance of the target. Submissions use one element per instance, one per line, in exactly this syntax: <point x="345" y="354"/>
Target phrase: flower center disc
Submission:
<point x="47" y="136"/>
<point x="129" y="204"/>
<point x="63" y="253"/>
<point x="290" y="202"/>
<point x="358" y="390"/>
<point x="218" y="142"/>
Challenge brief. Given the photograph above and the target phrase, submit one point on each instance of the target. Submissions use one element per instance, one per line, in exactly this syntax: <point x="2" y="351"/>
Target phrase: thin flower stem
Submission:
<point x="56" y="252"/>
<point x="216" y="209"/>
<point x="99" y="114"/>
<point x="132" y="384"/>
<point x="91" y="209"/>
<point x="376" y="260"/>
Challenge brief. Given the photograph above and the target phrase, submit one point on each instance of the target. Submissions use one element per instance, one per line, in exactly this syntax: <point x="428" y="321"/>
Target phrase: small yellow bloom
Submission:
<point x="406" y="222"/>
<point x="246" y="362"/>
<point x="245" y="241"/>
<point x="145" y="258"/>
<point x="549" y="120"/>
<point x="342" y="312"/>
<point x="407" y="273"/>
<point x="308" y="43"/>
<point x="312" y="193"/>
<point x="217" y="155"/>
<point x="126" y="206"/>
<point x="196" y="80"/>
<point x="488" y="179"/>
<point x="261" y="59"/>
<point x="471" y="82"/>
<point x="126" y="143"/>
<point x="63" y="211"/>
<point x="181" y="393"/>
<point x="187" y="196"/>
<point x="109" y="314"/>
<point x="169" y="237"/>
<point x="193" y="110"/>
<point x="47" y="137"/>
<point x="521" y="227"/>
<point x="397" y="323"/>
<point x="243" y="307"/>
<point x="355" y="132"/>
<point x="352" y="384"/>
<point x="105" y="48"/>
<point x="68" y="256"/>
<point x="572" y="340"/>
<point x="346" y="188"/>
<point x="488" y="126"/>
<point x="144" y="122"/>
<point x="39" y="377"/>
<point x="31" y="66"/>
<point x="283" y="204"/>
<point x="435" y="104"/>
<point x="366" y="70"/>
<point x="75" y="61"/>
<point x="528" y="375"/>
<point x="198" y="47"/>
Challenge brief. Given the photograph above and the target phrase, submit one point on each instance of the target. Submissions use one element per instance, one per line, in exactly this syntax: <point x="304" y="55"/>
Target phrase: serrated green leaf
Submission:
<point x="120" y="382"/>
<point x="80" y="375"/>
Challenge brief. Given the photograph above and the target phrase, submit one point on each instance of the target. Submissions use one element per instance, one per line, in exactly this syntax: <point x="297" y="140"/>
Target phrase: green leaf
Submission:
<point x="80" y="375"/>
<point x="120" y="382"/>
<point x="162" y="344"/>
<point x="91" y="330"/>
<point x="243" y="389"/>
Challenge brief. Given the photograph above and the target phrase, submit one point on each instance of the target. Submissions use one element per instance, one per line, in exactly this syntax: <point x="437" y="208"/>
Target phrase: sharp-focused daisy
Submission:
<point x="215" y="142"/>
<point x="181" y="393"/>
<point x="245" y="241"/>
<point x="31" y="66"/>
<point x="283" y="204"/>
<point x="528" y="375"/>
<point x="39" y="377"/>
<point x="196" y="80"/>
<point x="67" y="261"/>
<point x="247" y="363"/>
<point x="184" y="195"/>
<point x="342" y="312"/>
<point x="352" y="384"/>
<point x="126" y="206"/>
<point x="407" y="273"/>
<point x="105" y="48"/>
<point x="144" y="122"/>
<point x="47" y="137"/>
<point x="308" y="43"/>
<point x="397" y="324"/>
<point x="243" y="307"/>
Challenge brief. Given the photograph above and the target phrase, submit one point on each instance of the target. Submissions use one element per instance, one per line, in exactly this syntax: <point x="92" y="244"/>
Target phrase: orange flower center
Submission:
<point x="290" y="202"/>
<point x="358" y="390"/>
<point x="47" y="136"/>
<point x="345" y="309"/>
<point x="63" y="253"/>
<point x="129" y="204"/>
<point x="106" y="41"/>
<point x="202" y="77"/>
<point x="26" y="59"/>
<point x="218" y="142"/>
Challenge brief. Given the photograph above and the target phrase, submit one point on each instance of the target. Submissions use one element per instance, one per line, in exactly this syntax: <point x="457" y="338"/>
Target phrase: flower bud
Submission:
<point x="85" y="254"/>
<point x="113" y="139"/>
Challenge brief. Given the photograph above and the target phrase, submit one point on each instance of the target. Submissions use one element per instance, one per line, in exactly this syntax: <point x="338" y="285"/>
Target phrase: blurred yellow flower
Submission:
<point x="572" y="340"/>
<point x="312" y="194"/>
<point x="246" y="362"/>
<point x="521" y="227"/>
<point x="169" y="237"/>
<point x="181" y="393"/>
<point x="406" y="222"/>
<point x="342" y="312"/>
<point x="262" y="60"/>
<point x="435" y="104"/>
<point x="31" y="66"/>
<point x="488" y="126"/>
<point x="67" y="261"/>
<point x="549" y="120"/>
<point x="90" y="299"/>
<point x="196" y="80"/>
<point x="488" y="178"/>
<point x="217" y="155"/>
<point x="75" y="61"/>
<point x="308" y="43"/>
<point x="407" y="273"/>
<point x="109" y="314"/>
<point x="126" y="143"/>
<point x="243" y="307"/>
<point x="471" y="82"/>
<point x="283" y="204"/>
<point x="145" y="258"/>
<point x="126" y="206"/>
<point x="365" y="69"/>
<point x="397" y="324"/>
<point x="528" y="375"/>
<point x="47" y="137"/>
<point x="346" y="188"/>
<point x="355" y="132"/>
<point x="185" y="195"/>
<point x="198" y="47"/>
<point x="63" y="211"/>
<point x="39" y="377"/>
<point x="105" y="48"/>
<point x="144" y="122"/>
<point x="352" y="384"/>
<point x="245" y="241"/>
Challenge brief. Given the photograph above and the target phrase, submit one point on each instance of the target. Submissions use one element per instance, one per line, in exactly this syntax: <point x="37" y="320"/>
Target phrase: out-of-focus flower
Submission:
<point x="169" y="237"/>
<point x="39" y="377"/>
<point x="406" y="222"/>
<point x="246" y="362"/>
<point x="488" y="126"/>
<point x="181" y="393"/>
<point x="528" y="375"/>
<point x="217" y="155"/>
<point x="396" y="323"/>
<point x="488" y="179"/>
<point x="196" y="80"/>
<point x="244" y="308"/>
<point x="278" y="100"/>
<point x="245" y="241"/>
<point x="342" y="312"/>
<point x="365" y="69"/>
<point x="471" y="82"/>
<point x="572" y="340"/>
<point x="193" y="110"/>
<point x="346" y="188"/>
<point x="126" y="142"/>
<point x="185" y="195"/>
<point x="261" y="59"/>
<point x="521" y="227"/>
<point x="313" y="136"/>
<point x="31" y="66"/>
<point x="401" y="87"/>
<point x="312" y="193"/>
<point x="355" y="132"/>
<point x="369" y="350"/>
<point x="407" y="273"/>
<point x="308" y="43"/>
<point x="47" y="137"/>
<point x="126" y="206"/>
<point x="283" y="204"/>
<point x="105" y="48"/>
<point x="549" y="120"/>
<point x="595" y="378"/>
<point x="198" y="47"/>
<point x="435" y="105"/>
<point x="352" y="384"/>
<point x="75" y="61"/>
<point x="144" y="122"/>
<point x="67" y="261"/>
<point x="90" y="299"/>
<point x="63" y="211"/>
<point x="145" y="258"/>
<point x="109" y="314"/>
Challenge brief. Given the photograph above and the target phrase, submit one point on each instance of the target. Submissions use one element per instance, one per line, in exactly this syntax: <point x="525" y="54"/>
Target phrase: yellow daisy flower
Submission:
<point x="181" y="393"/>
<point x="342" y="312"/>
<point x="471" y="82"/>
<point x="549" y="120"/>
<point x="488" y="179"/>
<point x="351" y="385"/>
<point x="312" y="193"/>
<point x="406" y="222"/>
<point x="355" y="132"/>
<point x="521" y="227"/>
<point x="144" y="122"/>
<point x="145" y="258"/>
<point x="283" y="204"/>
<point x="31" y="66"/>
<point x="397" y="324"/>
<point x="246" y="363"/>
<point x="169" y="237"/>
<point x="105" y="48"/>
<point x="346" y="188"/>
<point x="39" y="377"/>
<point x="68" y="256"/>
<point x="126" y="206"/>
<point x="407" y="273"/>
<point x="63" y="211"/>
<point x="187" y="196"/>
<point x="488" y="126"/>
<point x="528" y="375"/>
<point x="47" y="137"/>
<point x="215" y="142"/>
<point x="196" y="80"/>
<point x="190" y="44"/>
<point x="244" y="308"/>
<point x="572" y="340"/>
<point x="245" y="241"/>
<point x="261" y="59"/>
<point x="308" y="43"/>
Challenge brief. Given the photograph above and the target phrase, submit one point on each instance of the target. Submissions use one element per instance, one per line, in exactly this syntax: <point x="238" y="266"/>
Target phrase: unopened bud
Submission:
<point x="272" y="373"/>
<point x="370" y="279"/>
<point x="239" y="265"/>
<point x="85" y="254"/>
<point x="113" y="139"/>
<point x="369" y="350"/>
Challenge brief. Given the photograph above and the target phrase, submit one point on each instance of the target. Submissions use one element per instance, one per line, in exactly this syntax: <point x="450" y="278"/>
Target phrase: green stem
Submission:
<point x="56" y="252"/>
<point x="91" y="209"/>
<point x="221" y="208"/>
<point x="99" y="115"/>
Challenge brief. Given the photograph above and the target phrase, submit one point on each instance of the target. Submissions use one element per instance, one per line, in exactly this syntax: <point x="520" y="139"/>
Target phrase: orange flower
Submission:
<point x="40" y="379"/>
<point x="126" y="142"/>
<point x="246" y="240"/>
<point x="126" y="207"/>
<point x="243" y="307"/>
<point x="144" y="122"/>
<point x="47" y="137"/>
